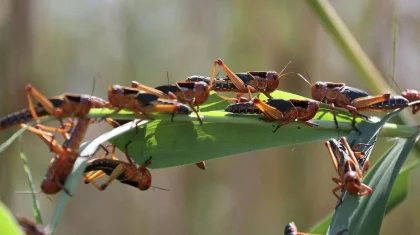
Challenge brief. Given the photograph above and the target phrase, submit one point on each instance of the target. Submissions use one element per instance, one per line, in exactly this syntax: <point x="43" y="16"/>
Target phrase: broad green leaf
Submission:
<point x="187" y="132"/>
<point x="184" y="141"/>
<point x="8" y="223"/>
<point x="36" y="208"/>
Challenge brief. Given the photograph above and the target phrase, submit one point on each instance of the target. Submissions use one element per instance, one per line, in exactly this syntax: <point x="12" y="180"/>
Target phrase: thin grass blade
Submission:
<point x="36" y="207"/>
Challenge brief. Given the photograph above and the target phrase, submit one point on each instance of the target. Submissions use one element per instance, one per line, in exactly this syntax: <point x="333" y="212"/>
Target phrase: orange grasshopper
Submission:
<point x="191" y="93"/>
<point x="65" y="105"/>
<point x="286" y="111"/>
<point x="62" y="164"/>
<point x="127" y="173"/>
<point x="141" y="103"/>
<point x="352" y="99"/>
<point x="249" y="82"/>
<point x="347" y="167"/>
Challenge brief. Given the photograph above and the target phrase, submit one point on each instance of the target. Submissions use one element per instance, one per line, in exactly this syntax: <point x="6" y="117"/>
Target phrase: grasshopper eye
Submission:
<point x="273" y="76"/>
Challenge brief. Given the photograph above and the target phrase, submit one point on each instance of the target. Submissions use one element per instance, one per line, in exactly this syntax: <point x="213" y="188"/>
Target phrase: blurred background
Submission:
<point x="59" y="46"/>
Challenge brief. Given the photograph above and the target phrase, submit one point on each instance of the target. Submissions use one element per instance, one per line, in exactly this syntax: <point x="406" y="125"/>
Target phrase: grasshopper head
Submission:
<point x="319" y="91"/>
<point x="202" y="91"/>
<point x="146" y="179"/>
<point x="352" y="182"/>
<point x="273" y="81"/>
<point x="411" y="95"/>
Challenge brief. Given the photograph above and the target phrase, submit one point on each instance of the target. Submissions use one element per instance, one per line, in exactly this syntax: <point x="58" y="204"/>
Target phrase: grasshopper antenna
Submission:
<point x="309" y="81"/>
<point x="29" y="192"/>
<point x="100" y="77"/>
<point x="167" y="76"/>
<point x="164" y="189"/>
<point x="93" y="86"/>
<point x="394" y="46"/>
<point x="281" y="74"/>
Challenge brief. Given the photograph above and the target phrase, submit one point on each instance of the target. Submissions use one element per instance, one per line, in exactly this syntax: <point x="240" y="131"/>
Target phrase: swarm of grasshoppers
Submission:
<point x="185" y="97"/>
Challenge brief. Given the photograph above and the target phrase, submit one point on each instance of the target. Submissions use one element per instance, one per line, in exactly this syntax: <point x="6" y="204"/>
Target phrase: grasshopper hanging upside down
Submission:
<point x="353" y="99"/>
<point x="286" y="111"/>
<point x="249" y="82"/>
<point x="191" y="93"/>
<point x="62" y="164"/>
<point x="291" y="229"/>
<point x="127" y="173"/>
<point x="347" y="167"/>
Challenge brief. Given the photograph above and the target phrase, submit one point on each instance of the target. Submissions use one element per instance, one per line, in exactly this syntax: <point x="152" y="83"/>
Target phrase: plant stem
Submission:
<point x="345" y="40"/>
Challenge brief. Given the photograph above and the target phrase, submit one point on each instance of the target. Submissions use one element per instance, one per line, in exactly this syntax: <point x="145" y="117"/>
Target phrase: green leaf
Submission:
<point x="8" y="223"/>
<point x="183" y="134"/>
<point x="400" y="188"/>
<point x="185" y="141"/>
<point x="36" y="208"/>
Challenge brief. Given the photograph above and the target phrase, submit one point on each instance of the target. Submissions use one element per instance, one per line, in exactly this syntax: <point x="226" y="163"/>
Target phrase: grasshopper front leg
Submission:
<point x="48" y="139"/>
<point x="189" y="101"/>
<point x="336" y="189"/>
